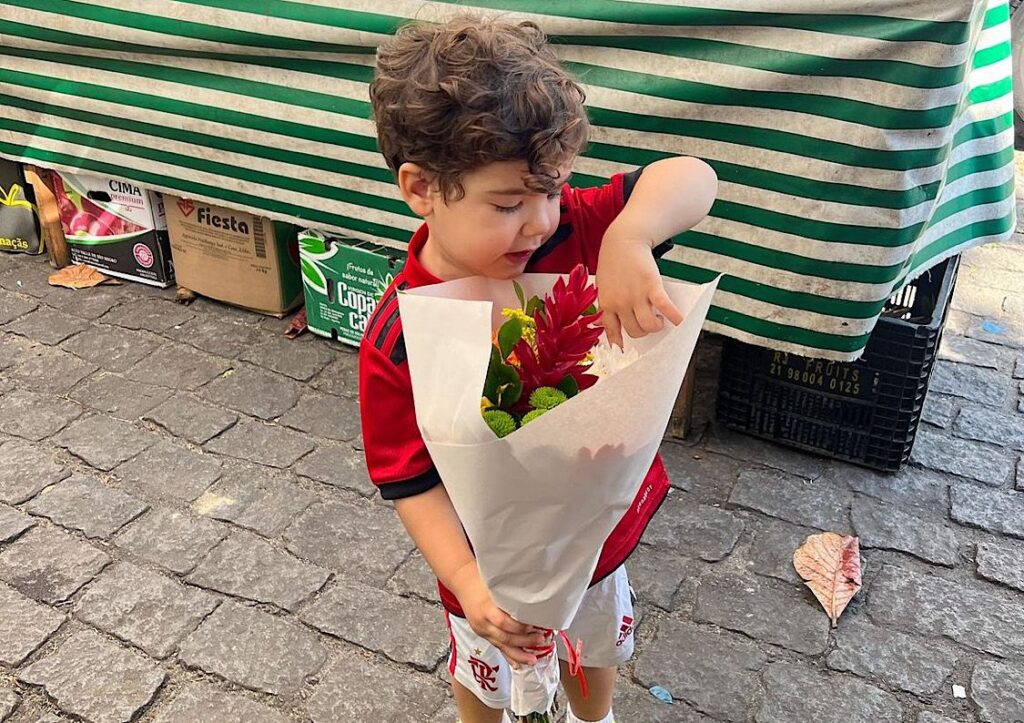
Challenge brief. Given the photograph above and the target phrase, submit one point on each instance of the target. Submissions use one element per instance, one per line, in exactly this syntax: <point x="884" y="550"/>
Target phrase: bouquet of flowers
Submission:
<point x="539" y="495"/>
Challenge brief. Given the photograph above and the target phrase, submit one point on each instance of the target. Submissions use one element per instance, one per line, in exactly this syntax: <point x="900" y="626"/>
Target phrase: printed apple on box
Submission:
<point x="116" y="226"/>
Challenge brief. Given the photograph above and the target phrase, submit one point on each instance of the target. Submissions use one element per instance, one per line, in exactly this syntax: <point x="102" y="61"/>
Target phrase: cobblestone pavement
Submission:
<point x="187" y="534"/>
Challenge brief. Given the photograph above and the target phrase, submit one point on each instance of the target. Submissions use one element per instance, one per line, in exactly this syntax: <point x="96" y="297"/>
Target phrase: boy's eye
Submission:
<point x="509" y="209"/>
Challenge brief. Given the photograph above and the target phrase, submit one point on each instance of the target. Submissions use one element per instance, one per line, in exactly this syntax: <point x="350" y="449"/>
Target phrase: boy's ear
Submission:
<point x="415" y="185"/>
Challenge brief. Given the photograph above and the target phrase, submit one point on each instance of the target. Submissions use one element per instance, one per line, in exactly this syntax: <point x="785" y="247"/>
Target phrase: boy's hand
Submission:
<point x="491" y="622"/>
<point x="630" y="290"/>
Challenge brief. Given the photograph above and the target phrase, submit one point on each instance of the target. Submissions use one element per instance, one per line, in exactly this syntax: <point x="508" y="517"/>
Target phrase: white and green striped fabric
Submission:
<point x="858" y="143"/>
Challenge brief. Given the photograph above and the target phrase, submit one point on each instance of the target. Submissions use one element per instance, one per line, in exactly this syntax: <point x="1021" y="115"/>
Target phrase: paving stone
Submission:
<point x="257" y="498"/>
<point x="341" y="376"/>
<point x="47" y="325"/>
<point x="999" y="561"/>
<point x="961" y="457"/>
<point x="406" y="630"/>
<point x="170" y="471"/>
<point x="83" y="503"/>
<point x="339" y="466"/>
<point x="24" y="626"/>
<point x="104" y="442"/>
<point x="989" y="425"/>
<point x="15" y="306"/>
<point x="910" y="487"/>
<point x="13" y="522"/>
<point x="253" y="391"/>
<point x="246" y="566"/>
<point x="35" y="416"/>
<point x="94" y="678"/>
<point x="255" y="650"/>
<point x="118" y="396"/>
<point x="705" y="475"/>
<point x="694" y="530"/>
<point x="8" y="702"/>
<point x="178" y="367"/>
<point x="265" y="444"/>
<point x="25" y="469"/>
<point x="49" y="370"/>
<point x="633" y="703"/>
<point x="715" y="672"/>
<point x="926" y="717"/>
<point x="359" y="541"/>
<point x="324" y="415"/>
<point x="1018" y="368"/>
<point x="928" y="605"/>
<point x="765" y="453"/>
<point x="415" y="577"/>
<point x="764" y="609"/>
<point x="985" y="386"/>
<point x="50" y="566"/>
<point x="151" y="314"/>
<point x="298" y="358"/>
<point x="12" y="349"/>
<point x="1006" y="331"/>
<point x="91" y="304"/>
<point x="195" y="702"/>
<point x="795" y="693"/>
<point x="939" y="410"/>
<point x="351" y="690"/>
<point x="969" y="351"/>
<point x="656" y="574"/>
<point x="28" y="279"/>
<point x="143" y="608"/>
<point x="998" y="691"/>
<point x="885" y="526"/>
<point x="790" y="498"/>
<point x="111" y="347"/>
<point x="194" y="420"/>
<point x="171" y="538"/>
<point x="769" y="549"/>
<point x="214" y="332"/>
<point x="992" y="510"/>
<point x="902" y="661"/>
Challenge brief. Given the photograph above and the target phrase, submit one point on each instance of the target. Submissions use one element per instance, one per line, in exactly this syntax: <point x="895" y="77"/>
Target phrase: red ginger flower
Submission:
<point x="565" y="335"/>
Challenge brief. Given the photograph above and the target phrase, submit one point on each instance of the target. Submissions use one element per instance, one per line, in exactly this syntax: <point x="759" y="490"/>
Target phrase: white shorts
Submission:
<point x="604" y="623"/>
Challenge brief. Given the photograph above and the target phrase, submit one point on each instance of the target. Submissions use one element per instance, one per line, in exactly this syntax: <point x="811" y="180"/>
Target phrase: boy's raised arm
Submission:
<point x="433" y="525"/>
<point x="671" y="196"/>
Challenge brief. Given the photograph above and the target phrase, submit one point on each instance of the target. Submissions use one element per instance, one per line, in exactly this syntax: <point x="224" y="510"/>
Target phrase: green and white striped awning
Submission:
<point x="857" y="143"/>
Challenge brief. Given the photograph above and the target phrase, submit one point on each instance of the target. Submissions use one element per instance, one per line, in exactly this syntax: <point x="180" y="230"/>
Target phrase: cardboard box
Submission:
<point x="19" y="223"/>
<point x="343" y="280"/>
<point x="116" y="226"/>
<point x="235" y="257"/>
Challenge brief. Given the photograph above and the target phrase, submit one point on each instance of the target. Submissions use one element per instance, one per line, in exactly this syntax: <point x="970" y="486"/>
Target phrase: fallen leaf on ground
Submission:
<point x="830" y="563"/>
<point x="78" y="276"/>
<point x="184" y="296"/>
<point x="297" y="326"/>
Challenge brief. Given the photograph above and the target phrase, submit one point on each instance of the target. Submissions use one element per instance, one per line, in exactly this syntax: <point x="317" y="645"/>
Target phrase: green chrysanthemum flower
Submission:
<point x="501" y="423"/>
<point x="547" y="398"/>
<point x="530" y="416"/>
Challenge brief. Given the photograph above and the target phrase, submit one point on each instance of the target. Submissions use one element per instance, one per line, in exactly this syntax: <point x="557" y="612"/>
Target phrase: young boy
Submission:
<point x="481" y="126"/>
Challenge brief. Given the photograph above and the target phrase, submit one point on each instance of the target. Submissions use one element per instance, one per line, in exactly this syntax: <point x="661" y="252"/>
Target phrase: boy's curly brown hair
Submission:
<point x="456" y="96"/>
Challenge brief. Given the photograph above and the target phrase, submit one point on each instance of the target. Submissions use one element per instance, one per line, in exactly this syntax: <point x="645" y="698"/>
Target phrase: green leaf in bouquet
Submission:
<point x="533" y="305"/>
<point x="520" y="294"/>
<point x="502" y="386"/>
<point x="592" y="309"/>
<point x="509" y="335"/>
<point x="569" y="386"/>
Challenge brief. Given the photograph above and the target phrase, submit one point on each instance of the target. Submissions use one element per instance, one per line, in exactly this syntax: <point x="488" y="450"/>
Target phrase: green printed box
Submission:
<point x="343" y="279"/>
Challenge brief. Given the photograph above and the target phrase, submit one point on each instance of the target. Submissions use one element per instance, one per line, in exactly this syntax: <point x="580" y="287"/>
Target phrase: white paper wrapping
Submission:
<point x="538" y="505"/>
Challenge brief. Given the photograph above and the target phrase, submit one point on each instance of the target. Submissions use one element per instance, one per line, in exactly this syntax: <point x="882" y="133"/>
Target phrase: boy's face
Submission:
<point x="494" y="228"/>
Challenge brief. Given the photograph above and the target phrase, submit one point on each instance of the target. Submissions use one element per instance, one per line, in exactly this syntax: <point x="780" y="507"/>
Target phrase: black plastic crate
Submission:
<point x="865" y="411"/>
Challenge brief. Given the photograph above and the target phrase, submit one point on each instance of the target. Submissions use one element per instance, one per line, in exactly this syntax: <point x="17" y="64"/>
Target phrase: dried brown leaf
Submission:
<point x="297" y="326"/>
<point x="77" y="276"/>
<point x="830" y="563"/>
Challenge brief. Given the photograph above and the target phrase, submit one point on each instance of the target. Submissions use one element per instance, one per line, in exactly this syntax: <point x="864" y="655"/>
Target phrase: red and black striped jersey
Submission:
<point x="396" y="456"/>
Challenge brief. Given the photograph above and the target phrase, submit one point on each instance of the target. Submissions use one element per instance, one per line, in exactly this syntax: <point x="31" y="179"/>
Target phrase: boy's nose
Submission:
<point x="537" y="226"/>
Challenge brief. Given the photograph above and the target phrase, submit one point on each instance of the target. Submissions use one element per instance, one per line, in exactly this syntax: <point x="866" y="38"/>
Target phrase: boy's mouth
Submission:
<point x="520" y="257"/>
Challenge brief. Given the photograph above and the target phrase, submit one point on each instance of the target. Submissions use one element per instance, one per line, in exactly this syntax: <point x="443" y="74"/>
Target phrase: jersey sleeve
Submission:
<point x="592" y="210"/>
<point x="396" y="456"/>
